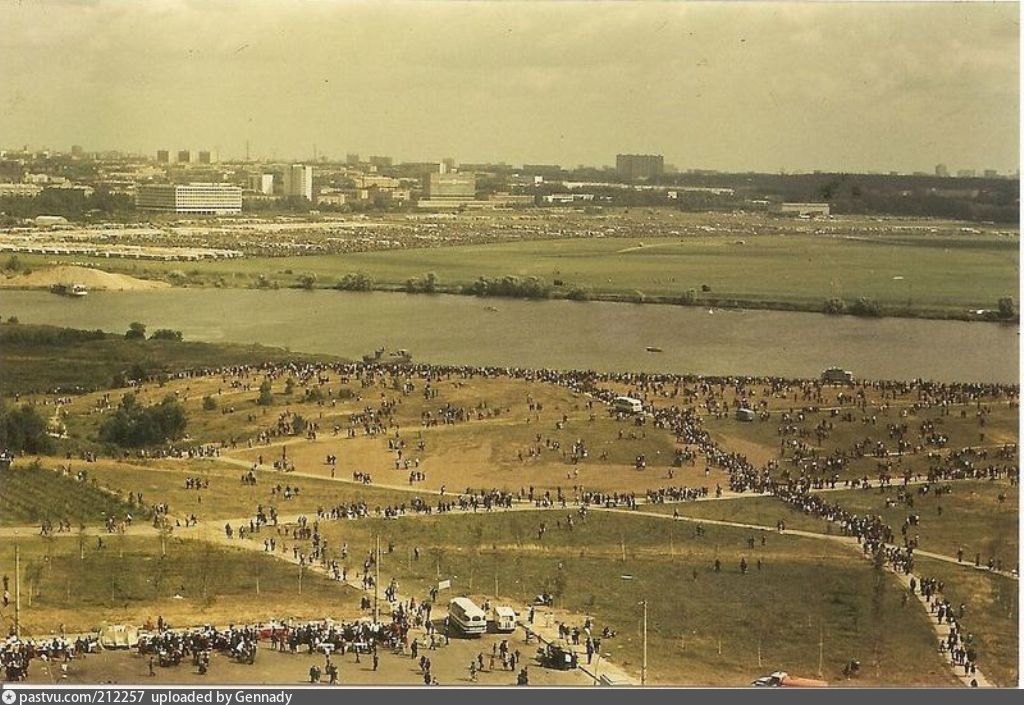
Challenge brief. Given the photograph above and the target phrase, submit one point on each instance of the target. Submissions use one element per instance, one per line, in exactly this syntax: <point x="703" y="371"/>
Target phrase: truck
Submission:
<point x="781" y="679"/>
<point x="837" y="374"/>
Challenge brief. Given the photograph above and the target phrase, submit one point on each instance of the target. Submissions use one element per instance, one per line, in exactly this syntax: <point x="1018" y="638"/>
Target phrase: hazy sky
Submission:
<point x="744" y="86"/>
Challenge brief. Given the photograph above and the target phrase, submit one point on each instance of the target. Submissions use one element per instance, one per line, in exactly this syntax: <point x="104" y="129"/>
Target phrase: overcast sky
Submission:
<point x="795" y="86"/>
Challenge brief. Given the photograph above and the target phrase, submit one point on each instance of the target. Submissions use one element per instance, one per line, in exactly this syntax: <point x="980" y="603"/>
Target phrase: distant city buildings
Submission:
<point x="262" y="184"/>
<point x="298" y="181"/>
<point x="204" y="157"/>
<point x="208" y="199"/>
<point x="163" y="156"/>
<point x="184" y="156"/>
<point x="639" y="166"/>
<point x="448" y="190"/>
<point x="965" y="173"/>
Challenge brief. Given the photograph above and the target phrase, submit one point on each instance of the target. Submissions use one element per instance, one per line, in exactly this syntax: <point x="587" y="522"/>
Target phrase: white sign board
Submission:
<point x="444" y="585"/>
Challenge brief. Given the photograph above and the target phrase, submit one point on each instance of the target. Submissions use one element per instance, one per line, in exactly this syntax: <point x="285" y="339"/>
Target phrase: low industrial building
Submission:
<point x="803" y="210"/>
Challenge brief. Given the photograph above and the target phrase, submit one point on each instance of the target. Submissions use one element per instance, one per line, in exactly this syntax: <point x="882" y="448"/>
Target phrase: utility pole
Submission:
<point x="17" y="591"/>
<point x="643" y="665"/>
<point x="821" y="649"/>
<point x="376" y="584"/>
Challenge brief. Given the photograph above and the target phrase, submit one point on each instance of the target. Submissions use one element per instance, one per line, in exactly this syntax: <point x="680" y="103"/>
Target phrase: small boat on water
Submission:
<point x="651" y="348"/>
<point x="72" y="290"/>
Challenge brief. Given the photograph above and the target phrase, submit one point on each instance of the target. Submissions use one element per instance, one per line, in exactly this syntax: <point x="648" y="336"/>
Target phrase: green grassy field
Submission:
<point x="906" y="274"/>
<point x="992" y="603"/>
<point x="703" y="630"/>
<point x="226" y="497"/>
<point x="30" y="496"/>
<point x="130" y="581"/>
<point x="762" y="511"/>
<point x="972" y="518"/>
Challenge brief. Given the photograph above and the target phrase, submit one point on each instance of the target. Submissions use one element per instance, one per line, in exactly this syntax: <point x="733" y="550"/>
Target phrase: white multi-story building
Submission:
<point x="262" y="184"/>
<point x="209" y="199"/>
<point x="298" y="181"/>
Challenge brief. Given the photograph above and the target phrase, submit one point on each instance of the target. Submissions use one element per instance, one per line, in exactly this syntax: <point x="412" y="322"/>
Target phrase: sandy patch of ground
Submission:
<point x="94" y="279"/>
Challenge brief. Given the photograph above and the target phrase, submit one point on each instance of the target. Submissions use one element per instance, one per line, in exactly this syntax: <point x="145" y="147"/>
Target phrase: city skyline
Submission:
<point x="794" y="87"/>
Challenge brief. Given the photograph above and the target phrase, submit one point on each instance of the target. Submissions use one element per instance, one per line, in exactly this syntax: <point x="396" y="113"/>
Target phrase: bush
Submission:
<point x="307" y="281"/>
<point x="314" y="394"/>
<point x="578" y="293"/>
<point x="134" y="425"/>
<point x="209" y="403"/>
<point x="689" y="298"/>
<point x="289" y="385"/>
<point x="355" y="281"/>
<point x="427" y="284"/>
<point x="299" y="424"/>
<point x="865" y="307"/>
<point x="834" y="306"/>
<point x="511" y="287"/>
<point x="166" y="334"/>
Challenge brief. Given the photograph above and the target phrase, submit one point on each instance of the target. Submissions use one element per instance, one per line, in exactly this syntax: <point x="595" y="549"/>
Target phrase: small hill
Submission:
<point x="94" y="279"/>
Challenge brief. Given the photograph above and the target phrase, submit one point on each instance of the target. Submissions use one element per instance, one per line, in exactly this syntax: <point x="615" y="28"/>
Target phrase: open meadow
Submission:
<point x="516" y="484"/>
<point x="907" y="267"/>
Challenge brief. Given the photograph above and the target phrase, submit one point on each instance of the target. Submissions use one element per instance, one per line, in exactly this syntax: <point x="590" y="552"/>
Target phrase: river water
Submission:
<point x="555" y="334"/>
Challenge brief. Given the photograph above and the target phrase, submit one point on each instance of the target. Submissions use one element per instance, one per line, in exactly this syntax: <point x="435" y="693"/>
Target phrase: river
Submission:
<point x="555" y="334"/>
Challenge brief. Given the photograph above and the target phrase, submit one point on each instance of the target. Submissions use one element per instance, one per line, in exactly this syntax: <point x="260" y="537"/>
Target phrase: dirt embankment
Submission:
<point x="94" y="279"/>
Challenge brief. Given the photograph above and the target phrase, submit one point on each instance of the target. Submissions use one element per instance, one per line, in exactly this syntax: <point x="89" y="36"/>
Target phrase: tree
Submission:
<point x="307" y="281"/>
<point x="166" y="334"/>
<point x="134" y="425"/>
<point x="1007" y="307"/>
<point x="209" y="403"/>
<point x="136" y="331"/>
<point x="23" y="429"/>
<point x="266" y="398"/>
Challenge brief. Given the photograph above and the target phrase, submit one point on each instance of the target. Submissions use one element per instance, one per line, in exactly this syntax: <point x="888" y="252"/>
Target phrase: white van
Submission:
<point x="504" y="619"/>
<point x="467" y="618"/>
<point x="628" y="405"/>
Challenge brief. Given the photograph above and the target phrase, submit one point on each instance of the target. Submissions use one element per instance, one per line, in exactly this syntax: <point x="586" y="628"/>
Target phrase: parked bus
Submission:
<point x="504" y="619"/>
<point x="469" y="619"/>
<point x="628" y="405"/>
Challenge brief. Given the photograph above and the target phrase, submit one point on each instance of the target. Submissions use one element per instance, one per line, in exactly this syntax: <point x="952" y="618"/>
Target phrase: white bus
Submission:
<point x="504" y="619"/>
<point x="628" y="405"/>
<point x="467" y="617"/>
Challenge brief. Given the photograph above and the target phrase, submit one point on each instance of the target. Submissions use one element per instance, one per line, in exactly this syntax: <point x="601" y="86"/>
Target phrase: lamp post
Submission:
<point x="643" y="664"/>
